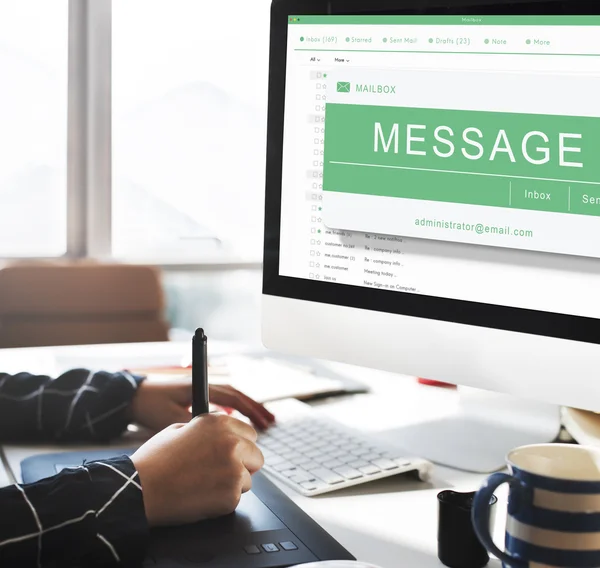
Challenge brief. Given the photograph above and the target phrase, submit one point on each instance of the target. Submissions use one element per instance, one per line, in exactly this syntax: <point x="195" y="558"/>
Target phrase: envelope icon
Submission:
<point x="343" y="87"/>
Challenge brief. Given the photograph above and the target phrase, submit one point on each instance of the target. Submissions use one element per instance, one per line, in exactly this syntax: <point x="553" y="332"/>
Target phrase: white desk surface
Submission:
<point x="391" y="523"/>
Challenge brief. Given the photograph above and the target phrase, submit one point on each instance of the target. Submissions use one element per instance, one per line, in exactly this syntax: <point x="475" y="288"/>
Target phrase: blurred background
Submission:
<point x="132" y="132"/>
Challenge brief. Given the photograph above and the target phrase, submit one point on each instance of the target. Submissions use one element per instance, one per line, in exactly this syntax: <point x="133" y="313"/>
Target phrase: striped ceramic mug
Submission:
<point x="553" y="507"/>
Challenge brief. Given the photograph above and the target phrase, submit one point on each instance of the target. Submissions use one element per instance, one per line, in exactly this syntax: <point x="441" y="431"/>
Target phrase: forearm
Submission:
<point x="91" y="516"/>
<point x="79" y="405"/>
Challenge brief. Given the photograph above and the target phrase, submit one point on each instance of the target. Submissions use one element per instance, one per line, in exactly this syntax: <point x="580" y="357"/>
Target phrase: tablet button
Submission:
<point x="289" y="545"/>
<point x="252" y="549"/>
<point x="270" y="548"/>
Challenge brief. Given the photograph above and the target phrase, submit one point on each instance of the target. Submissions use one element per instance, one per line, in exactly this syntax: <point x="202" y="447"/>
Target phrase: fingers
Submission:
<point x="244" y="430"/>
<point x="228" y="396"/>
<point x="246" y="481"/>
<point x="251" y="409"/>
<point x="256" y="411"/>
<point x="251" y="456"/>
<point x="223" y="423"/>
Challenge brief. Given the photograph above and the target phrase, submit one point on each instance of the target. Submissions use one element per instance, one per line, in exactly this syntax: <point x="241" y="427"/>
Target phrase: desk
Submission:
<point x="397" y="523"/>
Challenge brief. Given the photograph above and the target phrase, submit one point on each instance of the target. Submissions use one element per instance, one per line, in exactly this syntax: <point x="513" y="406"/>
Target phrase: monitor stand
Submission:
<point x="479" y="436"/>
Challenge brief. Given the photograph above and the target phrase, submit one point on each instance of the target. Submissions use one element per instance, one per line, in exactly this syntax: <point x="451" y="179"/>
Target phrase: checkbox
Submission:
<point x="312" y="275"/>
<point x="313" y="230"/>
<point x="316" y="164"/>
<point x="317" y="130"/>
<point x="318" y="97"/>
<point x="316" y="140"/>
<point x="316" y="152"/>
<point x="319" y="74"/>
<point x="314" y="196"/>
<point x="315" y="186"/>
<point x="312" y="253"/>
<point x="313" y="219"/>
<point x="315" y="174"/>
<point x="318" y="108"/>
<point x="314" y="207"/>
<point x="318" y="85"/>
<point x="312" y="263"/>
<point x="312" y="241"/>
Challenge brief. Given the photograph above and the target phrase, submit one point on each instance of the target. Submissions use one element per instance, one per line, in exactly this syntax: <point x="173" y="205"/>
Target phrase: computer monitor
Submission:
<point x="433" y="201"/>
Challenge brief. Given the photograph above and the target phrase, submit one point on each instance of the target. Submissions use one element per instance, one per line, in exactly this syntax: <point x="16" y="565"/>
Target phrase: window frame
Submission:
<point x="89" y="147"/>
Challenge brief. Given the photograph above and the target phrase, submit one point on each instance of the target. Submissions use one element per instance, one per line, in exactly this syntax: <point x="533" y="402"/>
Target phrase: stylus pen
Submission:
<point x="199" y="374"/>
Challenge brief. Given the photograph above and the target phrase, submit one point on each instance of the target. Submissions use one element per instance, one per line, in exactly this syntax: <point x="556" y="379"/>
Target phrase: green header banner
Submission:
<point x="524" y="161"/>
<point x="448" y="20"/>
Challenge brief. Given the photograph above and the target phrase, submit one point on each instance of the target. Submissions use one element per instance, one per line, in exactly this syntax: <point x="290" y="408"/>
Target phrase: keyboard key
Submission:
<point x="370" y="457"/>
<point x="330" y="437"/>
<point x="358" y="452"/>
<point x="384" y="463"/>
<point x="298" y="445"/>
<point x="347" y="458"/>
<point x="327" y="476"/>
<point x="369" y="469"/>
<point x="339" y="453"/>
<point x="289" y="455"/>
<point x="270" y="548"/>
<point x="252" y="549"/>
<point x="300" y="460"/>
<point x="332" y="464"/>
<point x="301" y="477"/>
<point x="289" y="545"/>
<point x="289" y="472"/>
<point x="309" y="485"/>
<point x="348" y="472"/>
<point x="274" y="460"/>
<point x="310" y="465"/>
<point x="395" y="456"/>
<point x="322" y="458"/>
<point x="358" y="464"/>
<point x="313" y="454"/>
<point x="283" y="466"/>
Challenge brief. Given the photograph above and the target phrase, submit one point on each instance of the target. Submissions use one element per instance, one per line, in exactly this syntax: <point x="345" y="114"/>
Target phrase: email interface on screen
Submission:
<point x="450" y="156"/>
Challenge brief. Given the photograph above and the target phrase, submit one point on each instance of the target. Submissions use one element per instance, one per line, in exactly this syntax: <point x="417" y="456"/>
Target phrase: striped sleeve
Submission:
<point x="91" y="516"/>
<point x="80" y="405"/>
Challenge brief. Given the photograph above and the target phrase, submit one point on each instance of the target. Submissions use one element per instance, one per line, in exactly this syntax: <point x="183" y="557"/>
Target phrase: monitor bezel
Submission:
<point x="498" y="317"/>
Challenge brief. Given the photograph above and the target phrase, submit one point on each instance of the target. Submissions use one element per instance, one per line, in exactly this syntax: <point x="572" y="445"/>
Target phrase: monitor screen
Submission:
<point x="454" y="157"/>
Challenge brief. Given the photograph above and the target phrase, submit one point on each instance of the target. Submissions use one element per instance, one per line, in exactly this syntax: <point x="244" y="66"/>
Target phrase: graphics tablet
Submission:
<point x="267" y="530"/>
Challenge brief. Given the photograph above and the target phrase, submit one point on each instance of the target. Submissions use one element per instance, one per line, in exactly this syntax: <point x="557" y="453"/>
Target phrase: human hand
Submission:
<point x="159" y="403"/>
<point x="197" y="470"/>
<point x="228" y="397"/>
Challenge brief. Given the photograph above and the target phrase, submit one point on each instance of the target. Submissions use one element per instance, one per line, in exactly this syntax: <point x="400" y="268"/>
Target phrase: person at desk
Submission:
<point x="99" y="514"/>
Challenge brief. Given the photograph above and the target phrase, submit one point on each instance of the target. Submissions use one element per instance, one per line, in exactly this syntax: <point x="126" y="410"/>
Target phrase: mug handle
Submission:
<point x="481" y="516"/>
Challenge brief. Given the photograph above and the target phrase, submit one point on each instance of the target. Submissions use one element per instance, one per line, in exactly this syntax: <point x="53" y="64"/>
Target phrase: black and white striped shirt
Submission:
<point x="90" y="516"/>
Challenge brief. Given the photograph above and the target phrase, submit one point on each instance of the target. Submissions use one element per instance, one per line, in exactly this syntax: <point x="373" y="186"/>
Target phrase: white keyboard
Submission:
<point x="314" y="454"/>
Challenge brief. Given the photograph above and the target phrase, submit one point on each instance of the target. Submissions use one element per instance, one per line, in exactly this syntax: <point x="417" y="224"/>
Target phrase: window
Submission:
<point x="189" y="97"/>
<point x="33" y="136"/>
